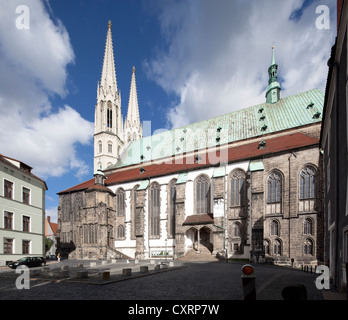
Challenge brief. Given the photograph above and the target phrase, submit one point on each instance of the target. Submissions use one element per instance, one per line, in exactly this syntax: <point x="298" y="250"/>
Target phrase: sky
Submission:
<point x="194" y="60"/>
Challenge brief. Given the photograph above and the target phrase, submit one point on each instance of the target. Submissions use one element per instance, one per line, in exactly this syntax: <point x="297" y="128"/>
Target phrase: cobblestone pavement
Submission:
<point x="185" y="281"/>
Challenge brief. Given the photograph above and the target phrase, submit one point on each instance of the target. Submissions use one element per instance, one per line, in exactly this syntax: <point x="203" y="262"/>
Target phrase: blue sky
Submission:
<point x="194" y="60"/>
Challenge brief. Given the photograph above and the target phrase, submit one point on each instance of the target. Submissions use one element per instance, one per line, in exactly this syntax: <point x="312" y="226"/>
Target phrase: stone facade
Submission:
<point x="253" y="229"/>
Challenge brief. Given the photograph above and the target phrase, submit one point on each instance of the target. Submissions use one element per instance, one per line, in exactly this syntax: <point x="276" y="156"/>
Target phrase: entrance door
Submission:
<point x="205" y="238"/>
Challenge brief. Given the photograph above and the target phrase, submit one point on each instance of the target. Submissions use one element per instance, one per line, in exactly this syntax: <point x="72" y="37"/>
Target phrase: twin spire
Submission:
<point x="108" y="84"/>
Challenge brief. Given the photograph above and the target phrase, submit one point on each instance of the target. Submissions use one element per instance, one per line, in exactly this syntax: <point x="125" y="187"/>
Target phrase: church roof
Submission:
<point x="242" y="152"/>
<point x="289" y="112"/>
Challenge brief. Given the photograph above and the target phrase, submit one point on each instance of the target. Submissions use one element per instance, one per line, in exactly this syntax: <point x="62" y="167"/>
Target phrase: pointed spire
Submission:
<point x="133" y="128"/>
<point x="108" y="79"/>
<point x="273" y="90"/>
<point x="133" y="107"/>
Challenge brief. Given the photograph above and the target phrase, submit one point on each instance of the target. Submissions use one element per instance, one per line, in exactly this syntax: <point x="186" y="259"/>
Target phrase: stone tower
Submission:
<point x="273" y="90"/>
<point x="132" y="127"/>
<point x="108" y="126"/>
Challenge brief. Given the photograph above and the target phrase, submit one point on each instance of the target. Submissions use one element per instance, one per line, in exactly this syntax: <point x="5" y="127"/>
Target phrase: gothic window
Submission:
<point x="307" y="183"/>
<point x="100" y="146"/>
<point x="90" y="234"/>
<point x="121" y="203"/>
<point x="109" y="118"/>
<point x="307" y="189"/>
<point x="120" y="232"/>
<point x="171" y="208"/>
<point x="308" y="226"/>
<point x="202" y="194"/>
<point x="154" y="210"/>
<point x="274" y="188"/>
<point x="274" y="228"/>
<point x="308" y="247"/>
<point x="277" y="250"/>
<point x="274" y="193"/>
<point x="237" y="188"/>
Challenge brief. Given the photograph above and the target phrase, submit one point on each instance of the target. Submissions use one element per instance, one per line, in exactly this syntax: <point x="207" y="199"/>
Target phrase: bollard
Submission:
<point x="248" y="282"/>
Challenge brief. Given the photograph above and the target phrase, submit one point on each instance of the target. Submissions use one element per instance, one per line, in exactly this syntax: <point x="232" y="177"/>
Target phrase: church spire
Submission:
<point x="273" y="90"/>
<point x="108" y="83"/>
<point x="108" y="118"/>
<point x="133" y="129"/>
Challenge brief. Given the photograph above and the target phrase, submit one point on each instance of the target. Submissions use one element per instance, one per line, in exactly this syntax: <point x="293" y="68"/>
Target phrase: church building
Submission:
<point x="247" y="185"/>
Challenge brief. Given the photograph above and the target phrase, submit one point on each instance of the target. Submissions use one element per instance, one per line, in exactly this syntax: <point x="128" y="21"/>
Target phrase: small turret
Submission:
<point x="273" y="89"/>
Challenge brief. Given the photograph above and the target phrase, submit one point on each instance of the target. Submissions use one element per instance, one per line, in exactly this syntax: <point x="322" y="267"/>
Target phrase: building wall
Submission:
<point x="35" y="210"/>
<point x="253" y="218"/>
<point x="334" y="143"/>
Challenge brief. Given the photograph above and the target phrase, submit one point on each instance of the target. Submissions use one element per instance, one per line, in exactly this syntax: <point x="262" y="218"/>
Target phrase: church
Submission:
<point x="244" y="185"/>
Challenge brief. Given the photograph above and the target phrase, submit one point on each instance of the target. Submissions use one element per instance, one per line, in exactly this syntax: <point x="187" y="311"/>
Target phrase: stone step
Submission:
<point x="203" y="255"/>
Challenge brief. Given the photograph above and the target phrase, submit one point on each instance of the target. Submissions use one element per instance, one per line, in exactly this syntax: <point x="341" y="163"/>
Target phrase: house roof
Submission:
<point x="198" y="219"/>
<point x="247" y="151"/>
<point x="290" y="112"/>
<point x="19" y="165"/>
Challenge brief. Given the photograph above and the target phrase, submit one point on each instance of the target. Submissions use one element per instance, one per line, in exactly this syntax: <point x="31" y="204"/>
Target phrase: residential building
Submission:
<point x="22" y="211"/>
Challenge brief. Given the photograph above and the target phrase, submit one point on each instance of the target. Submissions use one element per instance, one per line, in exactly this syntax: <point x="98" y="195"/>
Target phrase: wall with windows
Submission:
<point x="22" y="205"/>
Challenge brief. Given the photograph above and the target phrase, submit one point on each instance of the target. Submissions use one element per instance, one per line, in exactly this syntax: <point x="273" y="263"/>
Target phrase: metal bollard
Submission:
<point x="248" y="282"/>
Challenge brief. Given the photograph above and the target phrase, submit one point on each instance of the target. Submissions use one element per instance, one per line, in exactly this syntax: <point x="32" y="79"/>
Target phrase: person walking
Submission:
<point x="58" y="257"/>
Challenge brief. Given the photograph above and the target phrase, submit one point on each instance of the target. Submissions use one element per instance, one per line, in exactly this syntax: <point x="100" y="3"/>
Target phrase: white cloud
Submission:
<point x="33" y="64"/>
<point x="219" y="51"/>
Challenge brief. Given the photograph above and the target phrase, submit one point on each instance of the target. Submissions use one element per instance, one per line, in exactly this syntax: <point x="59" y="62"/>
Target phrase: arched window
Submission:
<point x="109" y="116"/>
<point x="100" y="146"/>
<point x="274" y="228"/>
<point x="121" y="203"/>
<point x="274" y="193"/>
<point x="120" y="232"/>
<point x="274" y="188"/>
<point x="171" y="208"/>
<point x="308" y="247"/>
<point x="307" y="189"/>
<point x="308" y="226"/>
<point x="277" y="250"/>
<point x="237" y="190"/>
<point x="154" y="210"/>
<point x="202" y="194"/>
<point x="307" y="183"/>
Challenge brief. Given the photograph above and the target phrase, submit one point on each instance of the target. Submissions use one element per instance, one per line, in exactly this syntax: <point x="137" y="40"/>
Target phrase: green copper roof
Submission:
<point x="289" y="112"/>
